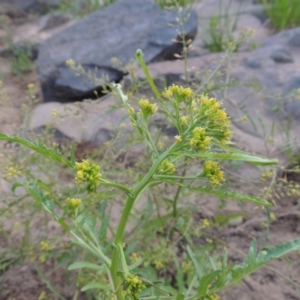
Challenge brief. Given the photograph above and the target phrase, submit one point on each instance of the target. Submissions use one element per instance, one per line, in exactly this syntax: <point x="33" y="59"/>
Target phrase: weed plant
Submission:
<point x="220" y="30"/>
<point x="283" y="14"/>
<point x="139" y="256"/>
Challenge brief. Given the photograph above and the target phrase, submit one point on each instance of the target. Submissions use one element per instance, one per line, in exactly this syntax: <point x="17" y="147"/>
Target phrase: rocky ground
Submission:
<point x="263" y="104"/>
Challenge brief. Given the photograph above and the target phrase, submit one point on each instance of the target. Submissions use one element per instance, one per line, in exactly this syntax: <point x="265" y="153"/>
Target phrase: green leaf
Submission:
<point x="179" y="276"/>
<point x="180" y="297"/>
<point x="282" y="249"/>
<point x="135" y="265"/>
<point x="233" y="195"/>
<point x="87" y="265"/>
<point x="199" y="270"/>
<point x="205" y="281"/>
<point x="253" y="261"/>
<point x="256" y="160"/>
<point x="95" y="285"/>
<point x="15" y="186"/>
<point x="38" y="147"/>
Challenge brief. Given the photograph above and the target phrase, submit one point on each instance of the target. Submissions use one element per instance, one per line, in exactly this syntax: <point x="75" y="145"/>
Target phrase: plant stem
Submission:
<point x="131" y="199"/>
<point x="139" y="56"/>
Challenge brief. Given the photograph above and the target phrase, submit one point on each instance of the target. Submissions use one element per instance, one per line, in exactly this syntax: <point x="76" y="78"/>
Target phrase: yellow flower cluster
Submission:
<point x="45" y="246"/>
<point x="71" y="63"/>
<point x="134" y="257"/>
<point x="166" y="168"/>
<point x="133" y="285"/>
<point x="158" y="264"/>
<point x="11" y="172"/>
<point x="147" y="108"/>
<point x="212" y="171"/>
<point x="205" y="223"/>
<point x="214" y="296"/>
<point x="217" y="118"/>
<point x="267" y="174"/>
<point x="89" y="173"/>
<point x="184" y="120"/>
<point x="177" y="92"/>
<point x="199" y="139"/>
<point x="73" y="202"/>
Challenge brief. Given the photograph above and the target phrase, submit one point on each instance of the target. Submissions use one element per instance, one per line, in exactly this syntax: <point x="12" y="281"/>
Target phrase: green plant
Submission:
<point x="21" y="62"/>
<point x="203" y="137"/>
<point x="167" y="4"/>
<point x="220" y="30"/>
<point x="283" y="13"/>
<point x="83" y="8"/>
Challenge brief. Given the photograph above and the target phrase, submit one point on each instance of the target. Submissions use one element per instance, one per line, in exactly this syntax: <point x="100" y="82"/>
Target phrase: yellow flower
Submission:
<point x="45" y="245"/>
<point x="54" y="112"/>
<point x="184" y="120"/>
<point x="214" y="296"/>
<point x="132" y="287"/>
<point x="71" y="63"/>
<point x="166" y="167"/>
<point x="89" y="173"/>
<point x="147" y="108"/>
<point x="185" y="267"/>
<point x="158" y="264"/>
<point x="179" y="93"/>
<point x="205" y="223"/>
<point x="199" y="139"/>
<point x="11" y="172"/>
<point x="131" y="110"/>
<point x="42" y="296"/>
<point x="134" y="257"/>
<point x="178" y="138"/>
<point x="212" y="171"/>
<point x="73" y="202"/>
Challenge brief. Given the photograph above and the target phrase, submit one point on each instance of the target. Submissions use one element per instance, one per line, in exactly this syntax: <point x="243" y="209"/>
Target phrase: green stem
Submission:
<point x="131" y="199"/>
<point x="115" y="184"/>
<point x="139" y="56"/>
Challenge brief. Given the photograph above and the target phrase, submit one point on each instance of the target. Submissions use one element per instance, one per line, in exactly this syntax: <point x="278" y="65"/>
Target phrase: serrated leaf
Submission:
<point x="282" y="249"/>
<point x="38" y="147"/>
<point x="233" y="195"/>
<point x="253" y="262"/>
<point x="244" y="157"/>
<point x="205" y="281"/>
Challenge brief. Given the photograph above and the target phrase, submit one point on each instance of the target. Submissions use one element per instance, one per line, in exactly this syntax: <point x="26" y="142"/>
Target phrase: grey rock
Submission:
<point x="54" y="20"/>
<point x="71" y="86"/>
<point x="294" y="39"/>
<point x="115" y="31"/>
<point x="253" y="62"/>
<point x="282" y="55"/>
<point x="83" y="122"/>
<point x="36" y="6"/>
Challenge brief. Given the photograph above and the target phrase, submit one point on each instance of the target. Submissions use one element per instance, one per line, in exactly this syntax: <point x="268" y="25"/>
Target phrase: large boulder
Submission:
<point x="115" y="31"/>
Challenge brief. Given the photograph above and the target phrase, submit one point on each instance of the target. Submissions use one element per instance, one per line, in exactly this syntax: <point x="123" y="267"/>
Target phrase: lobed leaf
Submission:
<point x="40" y="148"/>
